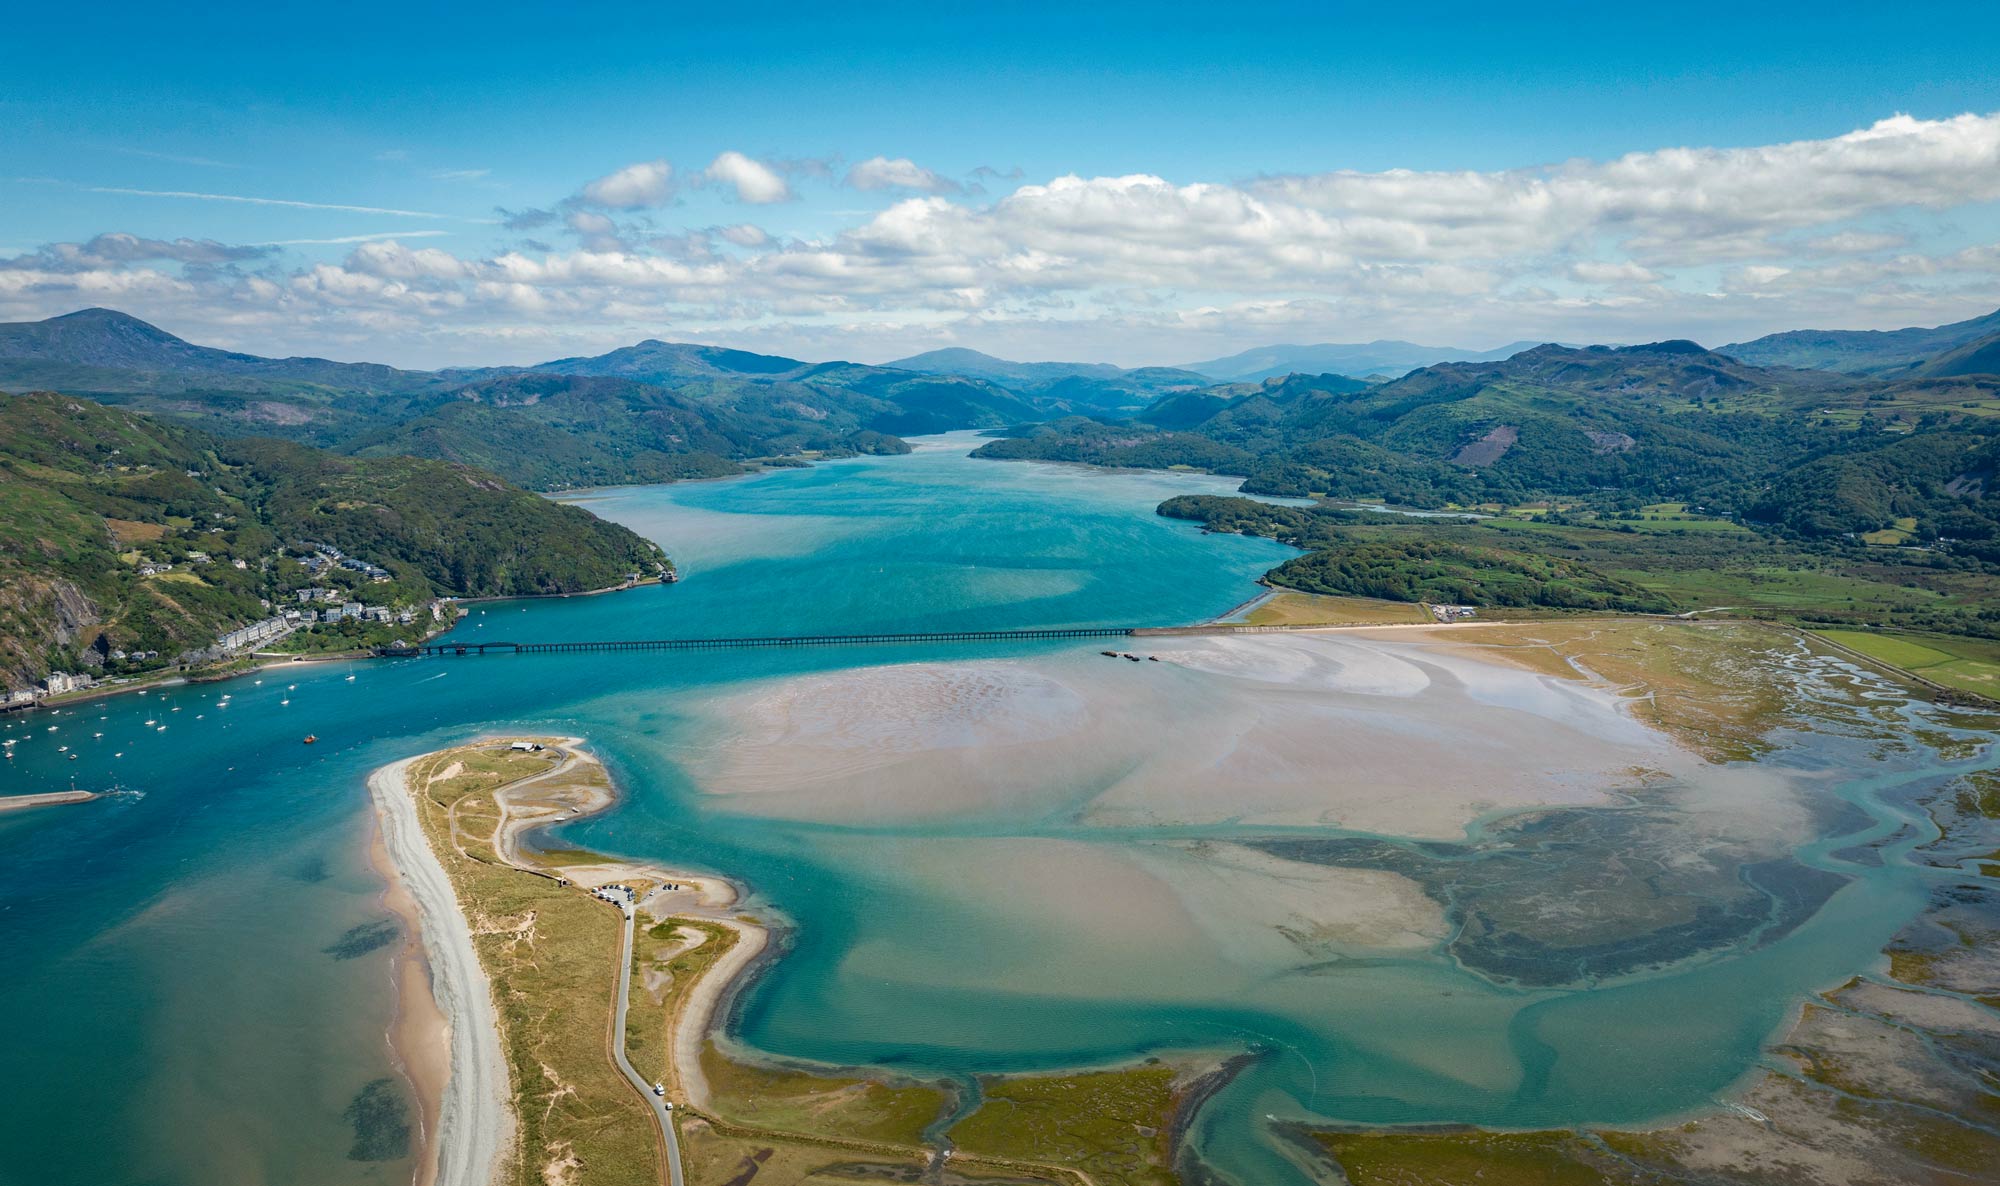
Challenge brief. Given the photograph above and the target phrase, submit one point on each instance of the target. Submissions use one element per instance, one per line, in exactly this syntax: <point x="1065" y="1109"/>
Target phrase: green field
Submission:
<point x="1292" y="608"/>
<point x="1967" y="664"/>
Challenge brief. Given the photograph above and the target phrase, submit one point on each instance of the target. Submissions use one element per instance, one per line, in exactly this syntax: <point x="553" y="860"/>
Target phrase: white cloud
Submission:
<point x="1854" y="243"/>
<point x="754" y="181"/>
<point x="1597" y="271"/>
<point x="635" y="187"/>
<point x="1719" y="244"/>
<point x="744" y="234"/>
<point x="900" y="173"/>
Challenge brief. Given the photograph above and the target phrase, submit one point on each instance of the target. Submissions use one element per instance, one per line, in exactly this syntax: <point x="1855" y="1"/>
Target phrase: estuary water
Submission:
<point x="1007" y="860"/>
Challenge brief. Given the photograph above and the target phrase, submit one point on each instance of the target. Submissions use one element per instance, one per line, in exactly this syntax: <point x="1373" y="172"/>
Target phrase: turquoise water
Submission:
<point x="181" y="1011"/>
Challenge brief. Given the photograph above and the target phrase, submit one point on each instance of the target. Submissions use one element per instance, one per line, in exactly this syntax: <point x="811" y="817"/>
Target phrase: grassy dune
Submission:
<point x="1293" y="608"/>
<point x="552" y="954"/>
<point x="1114" y="1125"/>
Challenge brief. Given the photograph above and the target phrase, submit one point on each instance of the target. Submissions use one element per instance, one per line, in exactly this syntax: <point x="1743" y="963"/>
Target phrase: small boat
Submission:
<point x="284" y="702"/>
<point x="350" y="679"/>
<point x="311" y="737"/>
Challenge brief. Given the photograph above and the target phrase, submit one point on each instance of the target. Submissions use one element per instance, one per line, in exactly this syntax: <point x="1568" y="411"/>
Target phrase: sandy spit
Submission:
<point x="699" y="1011"/>
<point x="49" y="799"/>
<point x="475" y="1124"/>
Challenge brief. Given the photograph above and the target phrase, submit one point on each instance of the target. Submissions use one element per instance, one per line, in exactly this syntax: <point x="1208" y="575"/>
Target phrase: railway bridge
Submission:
<point x="458" y="647"/>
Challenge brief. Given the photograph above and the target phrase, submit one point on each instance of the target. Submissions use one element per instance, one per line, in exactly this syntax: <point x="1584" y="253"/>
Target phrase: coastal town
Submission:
<point x="332" y="615"/>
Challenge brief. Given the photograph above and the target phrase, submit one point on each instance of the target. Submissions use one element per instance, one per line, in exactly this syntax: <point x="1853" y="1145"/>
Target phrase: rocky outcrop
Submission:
<point x="40" y="619"/>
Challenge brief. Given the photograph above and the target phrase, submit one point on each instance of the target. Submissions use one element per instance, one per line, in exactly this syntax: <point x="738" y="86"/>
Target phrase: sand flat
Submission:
<point x="1386" y="736"/>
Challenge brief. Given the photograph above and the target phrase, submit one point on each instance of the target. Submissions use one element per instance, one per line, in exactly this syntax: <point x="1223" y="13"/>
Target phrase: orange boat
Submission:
<point x="311" y="737"/>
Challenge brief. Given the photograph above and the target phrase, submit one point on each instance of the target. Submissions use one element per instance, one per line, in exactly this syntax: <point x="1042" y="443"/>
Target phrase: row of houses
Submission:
<point x="56" y="684"/>
<point x="324" y="557"/>
<point x="254" y="633"/>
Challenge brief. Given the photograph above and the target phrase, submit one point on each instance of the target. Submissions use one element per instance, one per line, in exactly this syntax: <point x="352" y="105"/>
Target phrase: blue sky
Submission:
<point x="1268" y="135"/>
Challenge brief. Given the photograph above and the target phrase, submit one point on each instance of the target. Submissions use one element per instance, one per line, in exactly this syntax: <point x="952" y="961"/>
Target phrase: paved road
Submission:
<point x="658" y="1105"/>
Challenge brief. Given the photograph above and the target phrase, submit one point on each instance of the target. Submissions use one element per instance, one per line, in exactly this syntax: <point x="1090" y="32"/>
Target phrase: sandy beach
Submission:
<point x="446" y="1036"/>
<point x="51" y="799"/>
<point x="473" y="1123"/>
<point x="420" y="1034"/>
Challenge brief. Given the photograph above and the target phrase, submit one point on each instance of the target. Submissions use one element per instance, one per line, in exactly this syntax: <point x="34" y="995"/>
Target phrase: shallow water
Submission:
<point x="182" y="965"/>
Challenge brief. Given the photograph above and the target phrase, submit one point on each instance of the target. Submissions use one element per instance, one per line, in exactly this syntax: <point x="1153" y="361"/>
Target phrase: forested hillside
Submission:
<point x="92" y="497"/>
<point x="652" y="412"/>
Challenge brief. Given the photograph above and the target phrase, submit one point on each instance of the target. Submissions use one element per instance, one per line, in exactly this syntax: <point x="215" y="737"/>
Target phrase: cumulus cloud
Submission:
<point x="1717" y="244"/>
<point x="635" y="187"/>
<point x="753" y="181"/>
<point x="881" y="172"/>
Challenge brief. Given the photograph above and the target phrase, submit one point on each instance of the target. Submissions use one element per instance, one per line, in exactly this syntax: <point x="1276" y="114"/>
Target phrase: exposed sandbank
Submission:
<point x="1397" y="737"/>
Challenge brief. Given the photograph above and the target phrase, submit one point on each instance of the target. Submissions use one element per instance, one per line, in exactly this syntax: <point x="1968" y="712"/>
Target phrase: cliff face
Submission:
<point x="41" y="619"/>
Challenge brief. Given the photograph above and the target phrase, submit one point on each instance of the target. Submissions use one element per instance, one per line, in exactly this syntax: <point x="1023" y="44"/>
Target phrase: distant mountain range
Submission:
<point x="1081" y="384"/>
<point x="657" y="411"/>
<point x="654" y="411"/>
<point x="1355" y="359"/>
<point x="1916" y="350"/>
<point x="102" y="350"/>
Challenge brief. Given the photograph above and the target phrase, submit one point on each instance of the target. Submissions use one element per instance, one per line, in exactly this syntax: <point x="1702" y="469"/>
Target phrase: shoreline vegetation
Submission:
<point x="1873" y="1069"/>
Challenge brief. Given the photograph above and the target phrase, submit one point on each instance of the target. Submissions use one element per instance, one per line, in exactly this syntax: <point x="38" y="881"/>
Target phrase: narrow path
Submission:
<point x="645" y="1089"/>
<point x="504" y="840"/>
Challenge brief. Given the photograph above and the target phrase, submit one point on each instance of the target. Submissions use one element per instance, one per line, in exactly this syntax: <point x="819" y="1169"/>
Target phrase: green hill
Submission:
<point x="1663" y="421"/>
<point x="1862" y="352"/>
<point x="90" y="496"/>
<point x="1066" y="386"/>
<point x="1981" y="356"/>
<point x="652" y="412"/>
